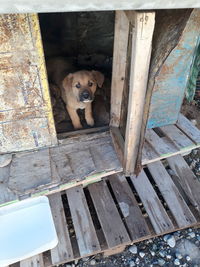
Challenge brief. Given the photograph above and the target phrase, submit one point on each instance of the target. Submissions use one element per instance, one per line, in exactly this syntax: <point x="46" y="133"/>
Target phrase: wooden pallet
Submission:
<point x="108" y="215"/>
<point x="170" y="140"/>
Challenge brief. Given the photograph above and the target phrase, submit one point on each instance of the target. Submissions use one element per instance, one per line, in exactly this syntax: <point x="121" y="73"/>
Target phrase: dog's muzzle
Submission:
<point x="86" y="96"/>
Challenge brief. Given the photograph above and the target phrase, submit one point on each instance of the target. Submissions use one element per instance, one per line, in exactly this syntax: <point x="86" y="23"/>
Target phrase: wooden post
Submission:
<point x="119" y="65"/>
<point x="142" y="32"/>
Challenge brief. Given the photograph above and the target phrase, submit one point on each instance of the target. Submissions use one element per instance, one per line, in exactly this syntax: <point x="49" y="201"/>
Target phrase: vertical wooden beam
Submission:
<point x="142" y="33"/>
<point x="119" y="65"/>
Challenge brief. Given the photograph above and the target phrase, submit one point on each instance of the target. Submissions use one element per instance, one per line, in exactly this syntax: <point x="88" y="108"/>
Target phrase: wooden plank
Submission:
<point x="187" y="179"/>
<point x="155" y="210"/>
<point x="85" y="232"/>
<point x="170" y="193"/>
<point x="114" y="230"/>
<point x="158" y="144"/>
<point x="129" y="207"/>
<point x="118" y="142"/>
<point x="63" y="251"/>
<point x="180" y="140"/>
<point x="29" y="170"/>
<point x="148" y="153"/>
<point x="36" y="261"/>
<point x="141" y="52"/>
<point x="119" y="65"/>
<point x="105" y="157"/>
<point x="188" y="128"/>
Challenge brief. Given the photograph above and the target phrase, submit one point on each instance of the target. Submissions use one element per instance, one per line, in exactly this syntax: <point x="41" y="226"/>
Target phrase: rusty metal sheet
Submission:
<point x="171" y="80"/>
<point x="26" y="120"/>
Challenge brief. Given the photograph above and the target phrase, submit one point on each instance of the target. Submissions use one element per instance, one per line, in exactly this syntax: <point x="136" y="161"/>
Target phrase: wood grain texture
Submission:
<point x="189" y="129"/>
<point x="119" y="65"/>
<point x="141" y="51"/>
<point x="129" y="207"/>
<point x="170" y="193"/>
<point x="84" y="228"/>
<point x="36" y="261"/>
<point x="180" y="140"/>
<point x="79" y="159"/>
<point x="63" y="251"/>
<point x="113" y="228"/>
<point x="187" y="179"/>
<point x="155" y="210"/>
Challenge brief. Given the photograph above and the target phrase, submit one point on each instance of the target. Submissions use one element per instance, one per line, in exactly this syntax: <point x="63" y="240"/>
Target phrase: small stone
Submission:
<point x="162" y="253"/>
<point x="142" y="254"/>
<point x="178" y="255"/>
<point x="191" y="234"/>
<point x="131" y="264"/>
<point x="154" y="247"/>
<point x="168" y="257"/>
<point x="137" y="260"/>
<point x="68" y="265"/>
<point x="188" y="258"/>
<point x="198" y="237"/>
<point x="133" y="249"/>
<point x="170" y="240"/>
<point x="176" y="262"/>
<point x="93" y="262"/>
<point x="152" y="253"/>
<point x="161" y="262"/>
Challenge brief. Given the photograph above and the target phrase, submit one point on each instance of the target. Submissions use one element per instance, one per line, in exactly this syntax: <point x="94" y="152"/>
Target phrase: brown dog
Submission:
<point x="77" y="89"/>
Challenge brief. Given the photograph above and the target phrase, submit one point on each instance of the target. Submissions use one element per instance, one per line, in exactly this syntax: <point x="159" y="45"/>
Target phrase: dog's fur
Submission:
<point x="77" y="88"/>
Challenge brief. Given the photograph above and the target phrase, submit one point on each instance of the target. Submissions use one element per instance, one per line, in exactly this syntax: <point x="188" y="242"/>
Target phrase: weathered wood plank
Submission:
<point x="129" y="207"/>
<point x="63" y="251"/>
<point x="155" y="210"/>
<point x="118" y="142"/>
<point x="170" y="193"/>
<point x="119" y="65"/>
<point x="141" y="52"/>
<point x="158" y="144"/>
<point x="188" y="128"/>
<point x="180" y="140"/>
<point x="187" y="179"/>
<point x="148" y="153"/>
<point x="36" y="261"/>
<point x="114" y="230"/>
<point x="85" y="232"/>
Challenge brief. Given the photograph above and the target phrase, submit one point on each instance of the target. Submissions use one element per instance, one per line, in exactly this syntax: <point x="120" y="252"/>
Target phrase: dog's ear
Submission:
<point x="99" y="77"/>
<point x="67" y="82"/>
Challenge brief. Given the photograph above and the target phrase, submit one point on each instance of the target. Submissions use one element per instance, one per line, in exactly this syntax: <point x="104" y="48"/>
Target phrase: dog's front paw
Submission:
<point x="90" y="122"/>
<point x="77" y="126"/>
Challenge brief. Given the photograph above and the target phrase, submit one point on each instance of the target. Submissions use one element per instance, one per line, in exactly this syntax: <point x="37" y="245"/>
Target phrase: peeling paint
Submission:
<point x="26" y="119"/>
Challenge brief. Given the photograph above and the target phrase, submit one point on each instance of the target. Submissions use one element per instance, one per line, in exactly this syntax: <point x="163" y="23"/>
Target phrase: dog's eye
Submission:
<point x="90" y="83"/>
<point x="78" y="85"/>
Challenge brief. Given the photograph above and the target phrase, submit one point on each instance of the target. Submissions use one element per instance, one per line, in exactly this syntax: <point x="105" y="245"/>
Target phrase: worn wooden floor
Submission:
<point x="77" y="160"/>
<point x="117" y="211"/>
<point x="170" y="140"/>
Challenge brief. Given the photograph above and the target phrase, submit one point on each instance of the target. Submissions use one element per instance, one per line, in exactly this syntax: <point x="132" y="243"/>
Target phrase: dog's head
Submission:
<point x="83" y="84"/>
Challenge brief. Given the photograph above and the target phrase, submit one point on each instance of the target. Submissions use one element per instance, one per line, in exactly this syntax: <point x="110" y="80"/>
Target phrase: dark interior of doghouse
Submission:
<point x="87" y="39"/>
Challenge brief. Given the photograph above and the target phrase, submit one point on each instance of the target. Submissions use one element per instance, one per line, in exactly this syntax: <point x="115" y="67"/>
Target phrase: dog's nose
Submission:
<point x="85" y="94"/>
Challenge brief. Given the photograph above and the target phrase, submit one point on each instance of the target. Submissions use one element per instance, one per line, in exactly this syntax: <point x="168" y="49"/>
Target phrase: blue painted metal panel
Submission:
<point x="171" y="81"/>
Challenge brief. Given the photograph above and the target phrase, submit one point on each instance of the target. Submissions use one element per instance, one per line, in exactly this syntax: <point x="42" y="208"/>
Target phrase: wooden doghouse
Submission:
<point x="146" y="126"/>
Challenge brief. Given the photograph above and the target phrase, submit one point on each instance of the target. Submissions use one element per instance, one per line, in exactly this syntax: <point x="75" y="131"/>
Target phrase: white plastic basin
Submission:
<point x="26" y="229"/>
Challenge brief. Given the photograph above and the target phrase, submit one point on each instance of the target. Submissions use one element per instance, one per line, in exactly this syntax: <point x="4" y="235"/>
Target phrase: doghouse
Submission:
<point x="154" y="55"/>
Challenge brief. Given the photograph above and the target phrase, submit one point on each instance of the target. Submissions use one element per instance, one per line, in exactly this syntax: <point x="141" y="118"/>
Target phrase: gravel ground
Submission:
<point x="181" y="248"/>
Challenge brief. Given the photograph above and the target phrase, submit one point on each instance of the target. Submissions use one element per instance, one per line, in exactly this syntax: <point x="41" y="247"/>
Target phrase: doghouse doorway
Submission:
<point x="87" y="39"/>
